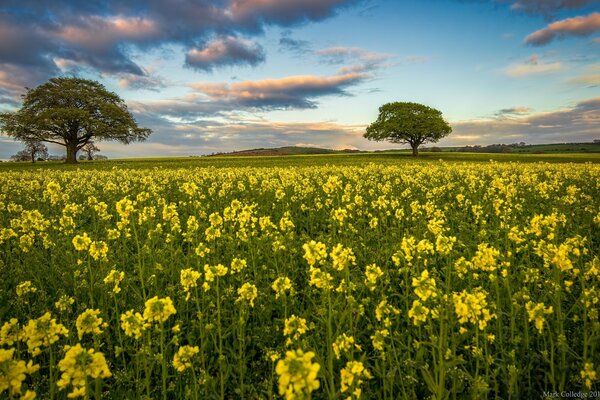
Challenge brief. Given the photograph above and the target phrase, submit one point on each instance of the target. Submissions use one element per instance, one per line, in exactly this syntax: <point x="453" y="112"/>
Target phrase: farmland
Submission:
<point x="371" y="276"/>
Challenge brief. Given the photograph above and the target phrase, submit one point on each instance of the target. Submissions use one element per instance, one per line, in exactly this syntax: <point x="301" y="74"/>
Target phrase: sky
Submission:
<point x="222" y="75"/>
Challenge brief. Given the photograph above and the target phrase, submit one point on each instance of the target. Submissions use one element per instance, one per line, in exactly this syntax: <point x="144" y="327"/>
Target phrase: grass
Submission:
<point x="384" y="158"/>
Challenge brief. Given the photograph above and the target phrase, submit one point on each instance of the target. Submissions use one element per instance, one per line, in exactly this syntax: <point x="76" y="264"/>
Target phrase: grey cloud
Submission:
<point x="99" y="33"/>
<point x="579" y="123"/>
<point x="228" y="50"/>
<point x="297" y="46"/>
<point x="287" y="92"/>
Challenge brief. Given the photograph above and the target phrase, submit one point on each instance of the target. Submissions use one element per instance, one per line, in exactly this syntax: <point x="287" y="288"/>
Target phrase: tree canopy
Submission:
<point x="72" y="112"/>
<point x="408" y="123"/>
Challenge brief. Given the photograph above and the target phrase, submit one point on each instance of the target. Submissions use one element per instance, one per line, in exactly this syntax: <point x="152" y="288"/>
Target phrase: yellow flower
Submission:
<point x="418" y="312"/>
<point x="372" y="273"/>
<point x="297" y="375"/>
<point x="82" y="242"/>
<point x="444" y="244"/>
<point x="588" y="374"/>
<point x="13" y="372"/>
<point x="378" y="339"/>
<point x="64" y="302"/>
<point x="342" y="257"/>
<point x="89" y="322"/>
<point x="10" y="333"/>
<point x="320" y="279"/>
<point x="159" y="310"/>
<point x="314" y="252"/>
<point x="182" y="360"/>
<point x="352" y="376"/>
<point x="79" y="364"/>
<point x="124" y="207"/>
<point x="472" y="307"/>
<point x="282" y="285"/>
<point x="344" y="344"/>
<point x="247" y="292"/>
<point x="43" y="331"/>
<point x="294" y="327"/>
<point x="425" y="287"/>
<point x="98" y="250"/>
<point x="24" y="288"/>
<point x="536" y="314"/>
<point x="133" y="324"/>
<point x="237" y="265"/>
<point x="202" y="250"/>
<point x="383" y="312"/>
<point x="188" y="278"/>
<point x="210" y="272"/>
<point x="115" y="277"/>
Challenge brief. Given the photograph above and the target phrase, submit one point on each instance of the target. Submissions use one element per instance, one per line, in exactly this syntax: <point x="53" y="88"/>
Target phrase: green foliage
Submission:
<point x="72" y="112"/>
<point x="408" y="123"/>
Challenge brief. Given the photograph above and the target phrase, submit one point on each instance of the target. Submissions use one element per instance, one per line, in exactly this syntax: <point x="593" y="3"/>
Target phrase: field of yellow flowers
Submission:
<point x="439" y="280"/>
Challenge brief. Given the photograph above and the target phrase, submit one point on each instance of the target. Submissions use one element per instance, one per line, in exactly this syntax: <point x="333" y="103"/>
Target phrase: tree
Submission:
<point x="34" y="150"/>
<point x="72" y="112"/>
<point x="22" y="155"/>
<point x="408" y="123"/>
<point x="90" y="149"/>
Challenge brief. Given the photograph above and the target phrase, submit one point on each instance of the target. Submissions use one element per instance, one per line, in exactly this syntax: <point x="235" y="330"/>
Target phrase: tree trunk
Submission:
<point x="71" y="153"/>
<point x="32" y="157"/>
<point x="415" y="149"/>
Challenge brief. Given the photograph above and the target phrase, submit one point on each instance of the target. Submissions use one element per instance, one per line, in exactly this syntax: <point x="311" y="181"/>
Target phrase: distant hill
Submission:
<point x="523" y="148"/>
<point x="492" y="148"/>
<point x="283" y="151"/>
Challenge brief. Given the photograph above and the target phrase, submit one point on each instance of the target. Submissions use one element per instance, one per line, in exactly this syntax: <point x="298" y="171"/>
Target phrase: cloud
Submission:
<point x="148" y="81"/>
<point x="103" y="35"/>
<point x="209" y="136"/>
<point x="574" y="124"/>
<point x="590" y="77"/>
<point x="532" y="66"/>
<point x="513" y="111"/>
<point x="296" y="46"/>
<point x="287" y="92"/>
<point x="228" y="50"/>
<point x="576" y="26"/>
<point x="358" y="60"/>
<point x="283" y="12"/>
<point x="548" y="7"/>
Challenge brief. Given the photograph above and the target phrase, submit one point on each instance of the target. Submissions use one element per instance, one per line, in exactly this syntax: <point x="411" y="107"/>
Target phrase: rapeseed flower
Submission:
<point x="314" y="252"/>
<point x="159" y="310"/>
<point x="352" y="377"/>
<point x="24" y="288"/>
<point x="42" y="332"/>
<point x="294" y="327"/>
<point x="372" y="273"/>
<point x="89" y="322"/>
<point x="188" y="279"/>
<point x="182" y="360"/>
<point x="13" y="372"/>
<point x="472" y="307"/>
<point x="344" y="344"/>
<point x="115" y="277"/>
<point x="133" y="324"/>
<point x="247" y="292"/>
<point x="282" y="285"/>
<point x="297" y="375"/>
<point x="77" y="365"/>
<point x="536" y="313"/>
<point x="10" y="333"/>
